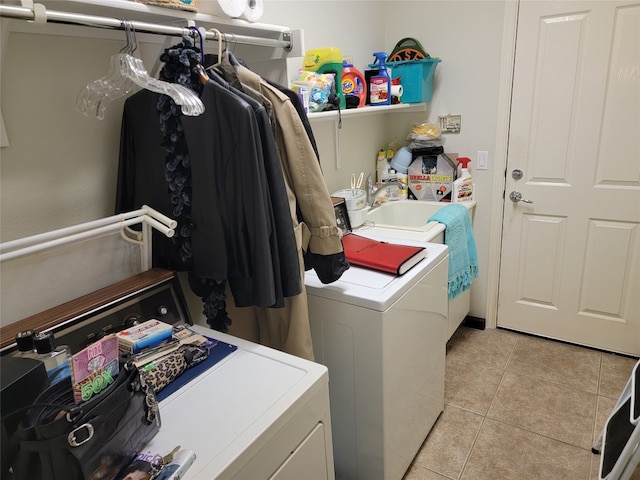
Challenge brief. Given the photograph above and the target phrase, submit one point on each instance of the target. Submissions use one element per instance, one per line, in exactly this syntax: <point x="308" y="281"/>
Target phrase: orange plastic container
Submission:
<point x="353" y="85"/>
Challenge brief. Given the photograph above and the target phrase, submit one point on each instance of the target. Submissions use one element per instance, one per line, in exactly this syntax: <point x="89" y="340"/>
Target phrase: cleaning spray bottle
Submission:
<point x="380" y="84"/>
<point x="463" y="186"/>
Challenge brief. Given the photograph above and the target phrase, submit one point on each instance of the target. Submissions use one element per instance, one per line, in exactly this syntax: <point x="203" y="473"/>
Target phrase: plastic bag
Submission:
<point x="321" y="86"/>
<point x="424" y="135"/>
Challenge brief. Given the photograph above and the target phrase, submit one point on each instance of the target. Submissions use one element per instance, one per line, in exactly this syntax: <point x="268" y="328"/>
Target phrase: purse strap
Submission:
<point x="9" y="416"/>
<point x="75" y="438"/>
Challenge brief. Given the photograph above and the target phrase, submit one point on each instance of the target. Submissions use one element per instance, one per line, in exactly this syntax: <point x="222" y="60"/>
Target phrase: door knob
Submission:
<point x="516" y="197"/>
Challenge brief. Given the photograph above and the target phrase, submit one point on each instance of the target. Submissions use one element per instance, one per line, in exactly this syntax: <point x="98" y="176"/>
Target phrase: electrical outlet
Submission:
<point x="482" y="160"/>
<point x="450" y="123"/>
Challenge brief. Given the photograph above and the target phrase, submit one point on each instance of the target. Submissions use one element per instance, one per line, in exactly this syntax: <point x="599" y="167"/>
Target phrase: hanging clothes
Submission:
<point x="245" y="220"/>
<point x="149" y="140"/>
<point x="288" y="120"/>
<point x="310" y="206"/>
<point x="259" y="280"/>
<point x="309" y="200"/>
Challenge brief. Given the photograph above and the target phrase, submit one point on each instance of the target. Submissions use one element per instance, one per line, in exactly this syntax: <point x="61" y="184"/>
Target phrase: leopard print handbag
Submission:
<point x="165" y="370"/>
<point x="161" y="372"/>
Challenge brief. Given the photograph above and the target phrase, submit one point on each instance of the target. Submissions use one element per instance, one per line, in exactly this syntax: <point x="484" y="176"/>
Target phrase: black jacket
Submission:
<point x="233" y="207"/>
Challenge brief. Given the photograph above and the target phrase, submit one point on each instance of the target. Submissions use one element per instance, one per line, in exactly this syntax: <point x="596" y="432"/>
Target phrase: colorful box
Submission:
<point x="431" y="177"/>
<point x="94" y="368"/>
<point x="147" y="334"/>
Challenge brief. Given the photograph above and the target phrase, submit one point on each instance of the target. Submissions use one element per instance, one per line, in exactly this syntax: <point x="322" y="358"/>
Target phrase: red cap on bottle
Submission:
<point x="464" y="161"/>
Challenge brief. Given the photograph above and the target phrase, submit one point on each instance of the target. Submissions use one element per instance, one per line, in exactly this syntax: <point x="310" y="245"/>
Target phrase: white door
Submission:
<point x="570" y="264"/>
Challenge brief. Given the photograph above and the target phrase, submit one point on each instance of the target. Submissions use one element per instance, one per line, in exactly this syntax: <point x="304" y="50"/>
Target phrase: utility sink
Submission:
<point x="400" y="220"/>
<point x="407" y="214"/>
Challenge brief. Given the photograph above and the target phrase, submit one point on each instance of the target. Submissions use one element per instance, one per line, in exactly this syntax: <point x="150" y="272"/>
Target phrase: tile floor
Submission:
<point x="519" y="407"/>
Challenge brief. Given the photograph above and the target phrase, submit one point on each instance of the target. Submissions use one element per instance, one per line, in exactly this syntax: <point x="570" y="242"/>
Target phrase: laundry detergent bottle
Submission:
<point x="380" y="84"/>
<point x="327" y="60"/>
<point x="463" y="186"/>
<point x="353" y="85"/>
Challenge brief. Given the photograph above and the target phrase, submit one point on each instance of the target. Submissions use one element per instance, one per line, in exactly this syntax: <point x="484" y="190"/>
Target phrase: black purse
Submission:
<point x="58" y="440"/>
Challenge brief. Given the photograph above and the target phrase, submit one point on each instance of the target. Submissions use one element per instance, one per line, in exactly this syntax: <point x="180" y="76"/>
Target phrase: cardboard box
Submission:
<point x="431" y="177"/>
<point x="145" y="335"/>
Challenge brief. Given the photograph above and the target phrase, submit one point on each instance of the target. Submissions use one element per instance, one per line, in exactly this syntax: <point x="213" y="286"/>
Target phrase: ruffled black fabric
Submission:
<point x="182" y="66"/>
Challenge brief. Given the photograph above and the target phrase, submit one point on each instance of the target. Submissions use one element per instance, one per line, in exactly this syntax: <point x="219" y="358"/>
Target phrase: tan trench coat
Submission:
<point x="287" y="328"/>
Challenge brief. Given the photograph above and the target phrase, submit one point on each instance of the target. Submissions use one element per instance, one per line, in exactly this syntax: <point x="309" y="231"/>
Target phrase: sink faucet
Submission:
<point x="373" y="192"/>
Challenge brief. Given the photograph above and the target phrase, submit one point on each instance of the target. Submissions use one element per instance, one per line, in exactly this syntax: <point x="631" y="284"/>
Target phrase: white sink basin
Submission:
<point x="407" y="214"/>
<point x="407" y="220"/>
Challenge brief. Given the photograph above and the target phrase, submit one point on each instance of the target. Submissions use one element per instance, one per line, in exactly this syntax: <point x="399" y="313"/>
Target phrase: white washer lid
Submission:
<point x="373" y="289"/>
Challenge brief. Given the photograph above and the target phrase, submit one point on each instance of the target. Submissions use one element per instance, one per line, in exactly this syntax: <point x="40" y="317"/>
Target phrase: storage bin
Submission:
<point x="417" y="78"/>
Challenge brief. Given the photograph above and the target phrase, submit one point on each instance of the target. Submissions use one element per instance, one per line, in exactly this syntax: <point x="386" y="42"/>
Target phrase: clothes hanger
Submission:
<point x="126" y="66"/>
<point x="204" y="78"/>
<point x="209" y="70"/>
<point x="127" y="72"/>
<point x="186" y="98"/>
<point x="232" y="59"/>
<point x="113" y="84"/>
<point x="221" y="39"/>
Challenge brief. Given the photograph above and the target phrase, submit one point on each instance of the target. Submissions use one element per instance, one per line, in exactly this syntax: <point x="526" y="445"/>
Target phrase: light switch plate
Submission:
<point x="482" y="160"/>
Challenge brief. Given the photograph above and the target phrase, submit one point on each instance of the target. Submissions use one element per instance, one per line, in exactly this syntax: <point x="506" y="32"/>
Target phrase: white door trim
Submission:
<point x="507" y="66"/>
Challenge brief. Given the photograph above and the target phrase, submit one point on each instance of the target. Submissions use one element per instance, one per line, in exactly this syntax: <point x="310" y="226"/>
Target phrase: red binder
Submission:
<point x="387" y="257"/>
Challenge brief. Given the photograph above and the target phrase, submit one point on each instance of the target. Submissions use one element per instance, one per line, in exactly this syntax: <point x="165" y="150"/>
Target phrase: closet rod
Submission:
<point x="68" y="18"/>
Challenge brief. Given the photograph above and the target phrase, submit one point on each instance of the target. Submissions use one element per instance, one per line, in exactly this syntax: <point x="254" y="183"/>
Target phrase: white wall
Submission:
<point x="60" y="166"/>
<point x="466" y="35"/>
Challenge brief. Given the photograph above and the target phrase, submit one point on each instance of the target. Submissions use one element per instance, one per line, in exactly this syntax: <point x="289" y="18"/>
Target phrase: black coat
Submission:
<point x="237" y="235"/>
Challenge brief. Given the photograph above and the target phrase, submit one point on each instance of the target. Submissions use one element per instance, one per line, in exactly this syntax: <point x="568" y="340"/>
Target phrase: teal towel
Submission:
<point x="463" y="256"/>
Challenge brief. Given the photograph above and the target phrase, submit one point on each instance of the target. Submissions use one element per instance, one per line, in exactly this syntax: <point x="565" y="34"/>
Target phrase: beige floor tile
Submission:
<point x="595" y="467"/>
<point x="519" y="407"/>
<point x="448" y="444"/>
<point x="471" y="386"/>
<point x="491" y="347"/>
<point x="614" y="374"/>
<point x="557" y="411"/>
<point x="504" y="452"/>
<point x="416" y="472"/>
<point x="556" y="362"/>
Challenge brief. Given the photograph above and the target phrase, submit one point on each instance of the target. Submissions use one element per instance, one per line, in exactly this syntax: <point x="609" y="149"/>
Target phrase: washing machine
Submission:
<point x="382" y="338"/>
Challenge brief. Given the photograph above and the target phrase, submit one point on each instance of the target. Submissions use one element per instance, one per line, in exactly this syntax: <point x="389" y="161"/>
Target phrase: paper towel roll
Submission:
<point x="396" y="91"/>
<point x="222" y="8"/>
<point x="253" y="10"/>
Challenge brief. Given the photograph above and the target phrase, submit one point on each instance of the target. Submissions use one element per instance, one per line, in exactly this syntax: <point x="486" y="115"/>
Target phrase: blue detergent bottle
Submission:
<point x="380" y="84"/>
